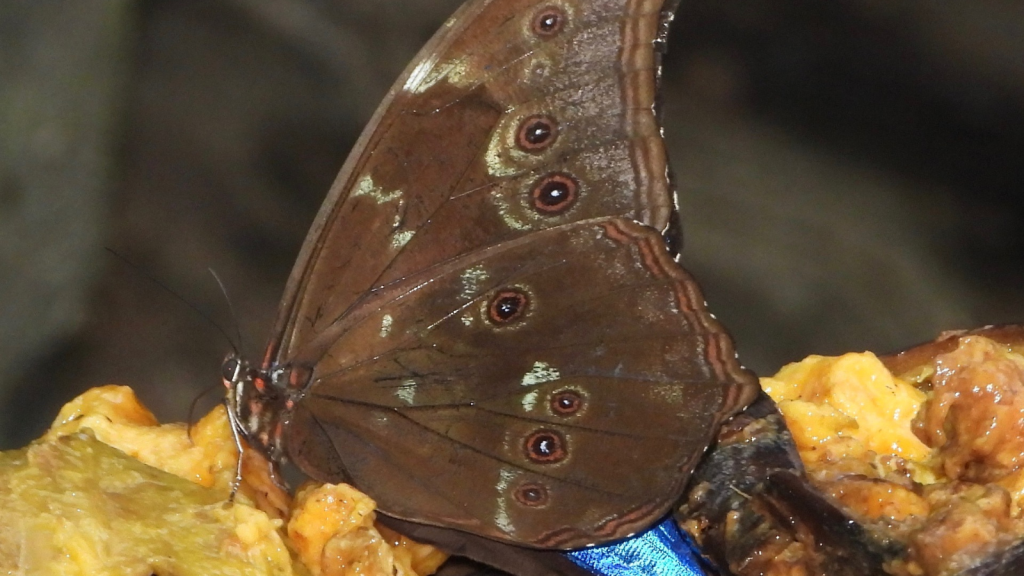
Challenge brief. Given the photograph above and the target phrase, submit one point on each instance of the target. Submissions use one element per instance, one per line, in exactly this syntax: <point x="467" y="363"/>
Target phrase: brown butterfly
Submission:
<point x="485" y="329"/>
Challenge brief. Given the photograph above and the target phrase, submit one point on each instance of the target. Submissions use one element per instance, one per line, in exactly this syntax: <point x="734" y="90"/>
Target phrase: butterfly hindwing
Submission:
<point x="571" y="411"/>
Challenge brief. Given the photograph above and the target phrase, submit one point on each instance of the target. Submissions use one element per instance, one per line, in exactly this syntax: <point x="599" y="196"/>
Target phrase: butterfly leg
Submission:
<point x="233" y="420"/>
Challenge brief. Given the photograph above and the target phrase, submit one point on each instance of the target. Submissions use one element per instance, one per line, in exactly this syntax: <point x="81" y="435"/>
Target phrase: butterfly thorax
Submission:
<point x="257" y="408"/>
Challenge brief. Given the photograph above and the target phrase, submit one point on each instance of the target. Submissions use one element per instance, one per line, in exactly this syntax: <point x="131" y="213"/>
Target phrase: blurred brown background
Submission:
<point x="851" y="173"/>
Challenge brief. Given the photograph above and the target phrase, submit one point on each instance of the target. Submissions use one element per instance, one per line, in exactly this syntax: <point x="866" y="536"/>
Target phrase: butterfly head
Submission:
<point x="256" y="409"/>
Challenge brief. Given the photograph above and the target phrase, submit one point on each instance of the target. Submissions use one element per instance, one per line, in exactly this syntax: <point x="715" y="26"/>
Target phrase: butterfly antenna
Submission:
<point x="192" y="411"/>
<point x="178" y="297"/>
<point x="231" y="310"/>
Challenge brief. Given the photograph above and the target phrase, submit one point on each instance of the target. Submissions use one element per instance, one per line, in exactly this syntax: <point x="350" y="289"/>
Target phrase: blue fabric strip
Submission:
<point x="661" y="551"/>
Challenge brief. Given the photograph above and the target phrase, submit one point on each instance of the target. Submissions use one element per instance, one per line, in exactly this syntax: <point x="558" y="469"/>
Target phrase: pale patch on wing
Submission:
<point x="540" y="373"/>
<point x="415" y="83"/>
<point x="367" y="187"/>
<point x="401" y="238"/>
<point x="505" y="211"/>
<point x="501" y="519"/>
<point x="535" y="69"/>
<point x="666" y="394"/>
<point x="472" y="278"/>
<point x="407" y="391"/>
<point x="385" y="325"/>
<point x="467" y="320"/>
<point x="530" y="401"/>
<point x="503" y="158"/>
<point x="429" y="72"/>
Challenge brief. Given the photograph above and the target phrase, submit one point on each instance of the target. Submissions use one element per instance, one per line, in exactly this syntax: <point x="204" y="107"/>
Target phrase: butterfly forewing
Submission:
<point x="508" y="122"/>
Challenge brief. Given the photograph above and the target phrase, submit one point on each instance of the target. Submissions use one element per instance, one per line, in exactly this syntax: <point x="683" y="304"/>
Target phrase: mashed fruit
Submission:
<point x="934" y="457"/>
<point x="109" y="491"/>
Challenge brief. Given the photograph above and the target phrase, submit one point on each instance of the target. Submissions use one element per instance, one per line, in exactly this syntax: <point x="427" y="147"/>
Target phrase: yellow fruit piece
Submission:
<point x="115" y="417"/>
<point x="333" y="533"/>
<point x="109" y="492"/>
<point x="76" y="506"/>
<point x="849" y="397"/>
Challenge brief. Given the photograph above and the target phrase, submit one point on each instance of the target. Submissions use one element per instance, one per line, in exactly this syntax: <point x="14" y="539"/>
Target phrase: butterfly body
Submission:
<point x="485" y="330"/>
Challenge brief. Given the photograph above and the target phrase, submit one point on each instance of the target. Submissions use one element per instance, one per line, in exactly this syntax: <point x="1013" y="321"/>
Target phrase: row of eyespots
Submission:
<point x="546" y="446"/>
<point x="556" y="192"/>
<point x="543" y="447"/>
<point x="510" y="304"/>
<point x="551" y="194"/>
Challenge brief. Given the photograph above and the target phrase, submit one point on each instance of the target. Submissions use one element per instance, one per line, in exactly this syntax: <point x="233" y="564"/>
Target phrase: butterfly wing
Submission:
<point x="518" y="116"/>
<point x="574" y="418"/>
<point x="482" y="335"/>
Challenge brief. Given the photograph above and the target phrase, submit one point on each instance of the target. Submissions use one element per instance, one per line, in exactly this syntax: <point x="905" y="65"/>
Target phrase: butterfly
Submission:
<point x="487" y="329"/>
